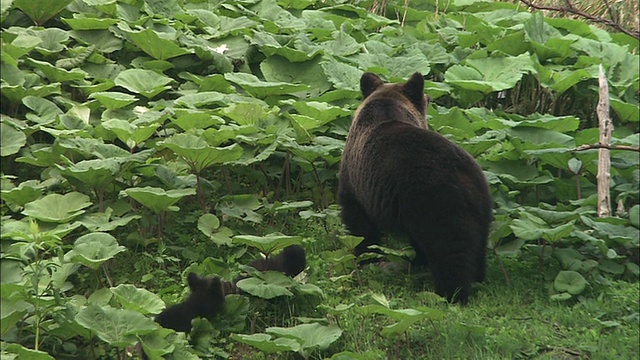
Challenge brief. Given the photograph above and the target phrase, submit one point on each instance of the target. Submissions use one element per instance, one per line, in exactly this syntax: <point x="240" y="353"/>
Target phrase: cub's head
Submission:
<point x="207" y="295"/>
<point x="412" y="91"/>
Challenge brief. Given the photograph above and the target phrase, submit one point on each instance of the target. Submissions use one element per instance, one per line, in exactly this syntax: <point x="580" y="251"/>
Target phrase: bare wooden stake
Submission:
<point x="604" y="161"/>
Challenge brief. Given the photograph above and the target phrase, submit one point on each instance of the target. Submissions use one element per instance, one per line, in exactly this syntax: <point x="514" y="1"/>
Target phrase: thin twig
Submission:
<point x="572" y="10"/>
<point x="603" y="146"/>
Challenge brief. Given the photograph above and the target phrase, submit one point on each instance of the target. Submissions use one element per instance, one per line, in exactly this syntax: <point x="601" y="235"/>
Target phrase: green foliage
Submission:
<point x="114" y="114"/>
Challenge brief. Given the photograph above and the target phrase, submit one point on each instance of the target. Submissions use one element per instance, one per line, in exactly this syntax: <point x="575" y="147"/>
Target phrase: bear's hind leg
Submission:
<point x="452" y="258"/>
<point x="451" y="277"/>
<point x="358" y="223"/>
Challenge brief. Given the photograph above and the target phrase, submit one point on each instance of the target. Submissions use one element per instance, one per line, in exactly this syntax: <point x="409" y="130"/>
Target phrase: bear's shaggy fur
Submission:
<point x="206" y="300"/>
<point x="398" y="177"/>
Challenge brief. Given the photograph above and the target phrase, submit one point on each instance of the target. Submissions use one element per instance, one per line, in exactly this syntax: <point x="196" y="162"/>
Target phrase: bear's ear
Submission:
<point x="369" y="83"/>
<point x="414" y="90"/>
<point x="215" y="288"/>
<point x="194" y="281"/>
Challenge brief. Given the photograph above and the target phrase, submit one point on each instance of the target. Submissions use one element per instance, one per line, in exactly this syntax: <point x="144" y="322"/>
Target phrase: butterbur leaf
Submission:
<point x="198" y="153"/>
<point x="139" y="300"/>
<point x="11" y="312"/>
<point x="57" y="74"/>
<point x="112" y="99"/>
<point x="268" y="243"/>
<point x="149" y="41"/>
<point x="490" y="74"/>
<point x="41" y="10"/>
<point x="262" y="89"/>
<point x="234" y="313"/>
<point x="157" y="199"/>
<point x="265" y="290"/>
<point x="309" y="335"/>
<point x="145" y="82"/>
<point x="23" y="352"/>
<point x="241" y="207"/>
<point x="341" y="75"/>
<point x="207" y="223"/>
<point x="116" y="327"/>
<point x="94" y="249"/>
<point x="79" y="22"/>
<point x="97" y="173"/>
<point x="350" y="241"/>
<point x="265" y="343"/>
<point x="11" y="140"/>
<point x="57" y="208"/>
<point x="44" y="111"/>
<point x="26" y="192"/>
<point x="570" y="281"/>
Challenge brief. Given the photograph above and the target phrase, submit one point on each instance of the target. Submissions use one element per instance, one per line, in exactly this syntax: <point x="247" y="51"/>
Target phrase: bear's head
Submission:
<point x="207" y="295"/>
<point x="410" y="93"/>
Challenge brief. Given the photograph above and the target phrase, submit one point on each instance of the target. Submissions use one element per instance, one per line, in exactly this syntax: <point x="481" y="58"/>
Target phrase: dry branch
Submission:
<point x="603" y="178"/>
<point x="569" y="8"/>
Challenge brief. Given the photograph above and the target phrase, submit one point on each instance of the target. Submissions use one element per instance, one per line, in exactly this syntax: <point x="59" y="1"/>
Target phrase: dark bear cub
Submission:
<point x="290" y="261"/>
<point x="206" y="300"/>
<point x="398" y="177"/>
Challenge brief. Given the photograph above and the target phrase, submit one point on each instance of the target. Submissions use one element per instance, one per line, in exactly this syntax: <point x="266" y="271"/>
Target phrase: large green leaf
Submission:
<point x="570" y="281"/>
<point x="139" y="300"/>
<point x="157" y="199"/>
<point x="117" y="327"/>
<point x="279" y="69"/>
<point x="41" y="10"/>
<point x="309" y="336"/>
<point x="269" y="286"/>
<point x="26" y="192"/>
<point x="94" y="249"/>
<point x="24" y="353"/>
<point x="113" y="99"/>
<point x="131" y="134"/>
<point x="341" y="75"/>
<point x="145" y="82"/>
<point x="490" y="74"/>
<point x="96" y="173"/>
<point x="531" y="227"/>
<point x="198" y="153"/>
<point x="57" y="208"/>
<point x="11" y="312"/>
<point x="265" y="343"/>
<point x="262" y="89"/>
<point x="151" y="43"/>
<point x="301" y="51"/>
<point x="269" y="243"/>
<point x="11" y="140"/>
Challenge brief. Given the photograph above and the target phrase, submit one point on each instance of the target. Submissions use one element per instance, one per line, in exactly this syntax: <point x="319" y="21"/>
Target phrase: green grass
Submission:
<point x="501" y="322"/>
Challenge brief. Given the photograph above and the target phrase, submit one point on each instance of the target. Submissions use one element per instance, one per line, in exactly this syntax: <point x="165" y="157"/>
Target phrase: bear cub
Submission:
<point x="208" y="293"/>
<point x="396" y="176"/>
<point x="206" y="300"/>
<point x="290" y="261"/>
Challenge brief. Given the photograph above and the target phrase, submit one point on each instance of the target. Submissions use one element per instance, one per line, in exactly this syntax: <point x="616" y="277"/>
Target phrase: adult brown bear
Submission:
<point x="398" y="177"/>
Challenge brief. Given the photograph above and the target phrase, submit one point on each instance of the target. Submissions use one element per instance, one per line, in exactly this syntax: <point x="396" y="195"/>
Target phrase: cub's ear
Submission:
<point x="369" y="83"/>
<point x="414" y="90"/>
<point x="194" y="281"/>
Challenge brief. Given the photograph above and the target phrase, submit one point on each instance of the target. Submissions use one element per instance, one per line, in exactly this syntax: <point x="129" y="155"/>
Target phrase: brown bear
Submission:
<point x="396" y="176"/>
